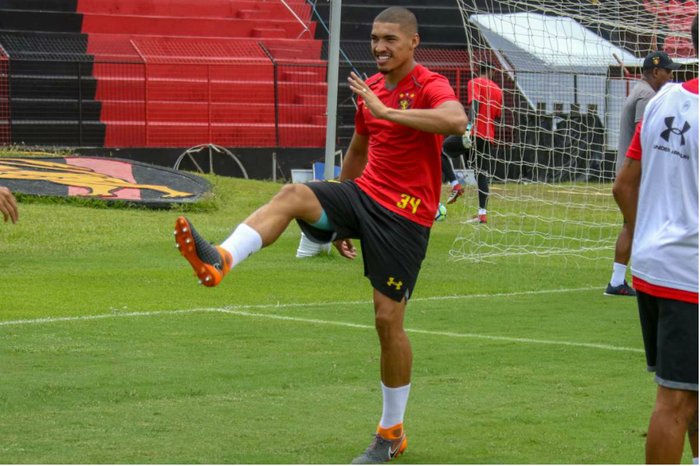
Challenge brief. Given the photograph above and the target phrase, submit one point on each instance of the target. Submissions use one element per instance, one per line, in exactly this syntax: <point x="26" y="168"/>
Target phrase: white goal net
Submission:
<point x="565" y="68"/>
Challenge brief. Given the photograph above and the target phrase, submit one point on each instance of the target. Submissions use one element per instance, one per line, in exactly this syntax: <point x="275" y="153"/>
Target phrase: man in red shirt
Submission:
<point x="485" y="99"/>
<point x="387" y="198"/>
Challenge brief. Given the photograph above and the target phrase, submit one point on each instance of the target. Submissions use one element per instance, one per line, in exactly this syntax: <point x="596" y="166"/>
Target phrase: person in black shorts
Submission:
<point x="387" y="198"/>
<point x="657" y="191"/>
<point x="392" y="246"/>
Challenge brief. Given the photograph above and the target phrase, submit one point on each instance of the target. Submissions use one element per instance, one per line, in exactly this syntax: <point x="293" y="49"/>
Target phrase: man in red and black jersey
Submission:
<point x="387" y="196"/>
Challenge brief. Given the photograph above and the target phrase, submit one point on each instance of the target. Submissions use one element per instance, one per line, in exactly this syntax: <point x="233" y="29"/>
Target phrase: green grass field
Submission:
<point x="111" y="353"/>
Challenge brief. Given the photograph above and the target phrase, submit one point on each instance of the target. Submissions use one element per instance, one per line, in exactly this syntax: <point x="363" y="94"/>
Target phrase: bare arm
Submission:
<point x="355" y="157"/>
<point x="447" y="118"/>
<point x="626" y="190"/>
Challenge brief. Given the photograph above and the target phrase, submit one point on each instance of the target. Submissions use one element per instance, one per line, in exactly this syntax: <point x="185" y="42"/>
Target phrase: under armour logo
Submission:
<point x="666" y="134"/>
<point x="391" y="282"/>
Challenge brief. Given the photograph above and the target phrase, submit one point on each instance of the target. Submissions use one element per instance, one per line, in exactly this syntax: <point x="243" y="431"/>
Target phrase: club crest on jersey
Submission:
<point x="406" y="100"/>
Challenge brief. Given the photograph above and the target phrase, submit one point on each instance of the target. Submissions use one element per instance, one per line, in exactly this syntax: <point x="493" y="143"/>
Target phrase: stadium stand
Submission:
<point x="676" y="16"/>
<point x="147" y="73"/>
<point x="237" y="73"/>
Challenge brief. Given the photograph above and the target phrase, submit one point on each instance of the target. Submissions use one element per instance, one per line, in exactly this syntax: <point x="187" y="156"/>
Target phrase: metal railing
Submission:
<point x="151" y="100"/>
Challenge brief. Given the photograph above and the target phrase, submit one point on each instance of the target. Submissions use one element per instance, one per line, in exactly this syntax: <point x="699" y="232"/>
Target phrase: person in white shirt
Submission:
<point x="657" y="191"/>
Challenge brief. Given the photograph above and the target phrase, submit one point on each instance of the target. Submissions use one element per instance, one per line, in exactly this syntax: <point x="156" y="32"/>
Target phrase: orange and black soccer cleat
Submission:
<point x="387" y="444"/>
<point x="210" y="263"/>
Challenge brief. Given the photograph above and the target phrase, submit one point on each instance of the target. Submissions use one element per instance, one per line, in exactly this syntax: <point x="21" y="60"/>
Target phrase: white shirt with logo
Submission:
<point x="665" y="245"/>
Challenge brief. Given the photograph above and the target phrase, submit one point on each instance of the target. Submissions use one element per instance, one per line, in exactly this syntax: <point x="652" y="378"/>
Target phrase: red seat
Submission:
<point x="171" y="75"/>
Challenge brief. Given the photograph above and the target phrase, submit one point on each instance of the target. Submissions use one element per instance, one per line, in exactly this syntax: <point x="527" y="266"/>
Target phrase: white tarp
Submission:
<point x="557" y="41"/>
<point x="555" y="59"/>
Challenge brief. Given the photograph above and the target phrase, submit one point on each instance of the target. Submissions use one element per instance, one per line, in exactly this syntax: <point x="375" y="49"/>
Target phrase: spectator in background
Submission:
<point x="8" y="205"/>
<point x="485" y="100"/>
<point x="657" y="70"/>
<point x="657" y="191"/>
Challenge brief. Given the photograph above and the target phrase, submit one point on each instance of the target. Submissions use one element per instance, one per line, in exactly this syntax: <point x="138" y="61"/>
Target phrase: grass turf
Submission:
<point x="279" y="364"/>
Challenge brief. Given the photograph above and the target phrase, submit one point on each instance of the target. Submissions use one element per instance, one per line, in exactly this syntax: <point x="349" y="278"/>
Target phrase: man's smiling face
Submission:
<point x="393" y="48"/>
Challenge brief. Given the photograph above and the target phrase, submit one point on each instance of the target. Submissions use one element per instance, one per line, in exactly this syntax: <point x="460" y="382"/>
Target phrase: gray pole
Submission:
<point x="332" y="102"/>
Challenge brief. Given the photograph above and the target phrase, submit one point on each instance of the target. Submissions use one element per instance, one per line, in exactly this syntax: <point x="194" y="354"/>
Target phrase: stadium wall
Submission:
<point x="259" y="163"/>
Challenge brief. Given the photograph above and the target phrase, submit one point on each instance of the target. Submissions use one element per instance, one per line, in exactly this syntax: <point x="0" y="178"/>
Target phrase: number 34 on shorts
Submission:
<point x="409" y="202"/>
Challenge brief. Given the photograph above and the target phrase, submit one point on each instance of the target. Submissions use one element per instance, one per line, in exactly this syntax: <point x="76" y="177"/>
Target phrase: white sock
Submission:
<point x="454" y="183"/>
<point x="308" y="248"/>
<point x="482" y="211"/>
<point x="243" y="242"/>
<point x="393" y="405"/>
<point x="618" y="275"/>
<point x="695" y="460"/>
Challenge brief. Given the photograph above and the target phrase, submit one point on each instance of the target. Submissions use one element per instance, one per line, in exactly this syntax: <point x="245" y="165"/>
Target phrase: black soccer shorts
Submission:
<point x="670" y="332"/>
<point x="393" y="247"/>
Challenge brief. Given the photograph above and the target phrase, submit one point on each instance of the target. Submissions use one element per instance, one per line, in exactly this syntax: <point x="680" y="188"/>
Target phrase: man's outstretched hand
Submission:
<point x="8" y="205"/>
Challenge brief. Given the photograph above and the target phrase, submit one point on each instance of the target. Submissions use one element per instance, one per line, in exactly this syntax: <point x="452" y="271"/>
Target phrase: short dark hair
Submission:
<point x="694" y="33"/>
<point x="485" y="68"/>
<point x="401" y="16"/>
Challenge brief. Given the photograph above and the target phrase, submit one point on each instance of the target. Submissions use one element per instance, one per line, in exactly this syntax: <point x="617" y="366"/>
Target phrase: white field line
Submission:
<point x="241" y="311"/>
<point x="435" y="332"/>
